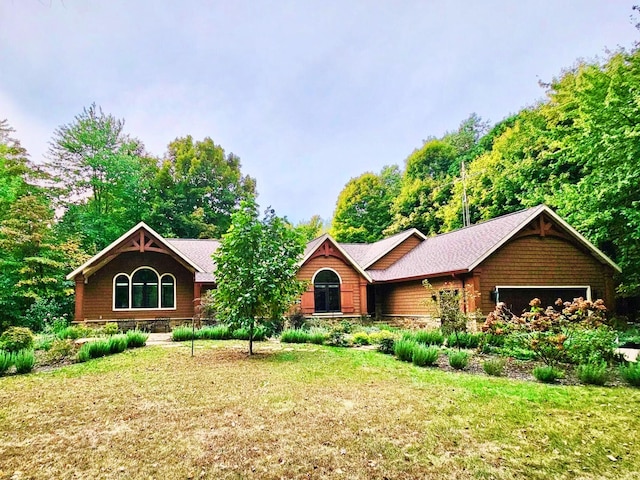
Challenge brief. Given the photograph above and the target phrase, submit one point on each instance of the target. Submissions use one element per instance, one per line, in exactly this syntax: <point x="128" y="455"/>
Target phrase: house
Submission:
<point x="511" y="259"/>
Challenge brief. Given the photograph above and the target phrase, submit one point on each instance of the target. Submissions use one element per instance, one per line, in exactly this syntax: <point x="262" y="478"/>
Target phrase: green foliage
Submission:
<point x="593" y="373"/>
<point x="494" y="366"/>
<point x="136" y="338"/>
<point x="547" y="374"/>
<point x="587" y="346"/>
<point x="630" y="338"/>
<point x="76" y="331"/>
<point x="318" y="336"/>
<point x="6" y="361"/>
<point x="243" y="333"/>
<point x="83" y="354"/>
<point x="110" y="328"/>
<point x="424" y="356"/>
<point x="217" y="332"/>
<point x="45" y="314"/>
<point x="296" y="319"/>
<point x="387" y="345"/>
<point x="17" y="338"/>
<point x="464" y="340"/>
<point x="448" y="302"/>
<point x="93" y="349"/>
<point x="429" y="337"/>
<point x="182" y="334"/>
<point x="311" y="229"/>
<point x="363" y="209"/>
<point x="459" y="360"/>
<point x="294" y="336"/>
<point x="44" y="341"/>
<point x="361" y="338"/>
<point x="117" y="343"/>
<point x="257" y="263"/>
<point x="403" y="349"/>
<point x="24" y="360"/>
<point x="630" y="373"/>
<point x="377" y="336"/>
<point x="59" y="351"/>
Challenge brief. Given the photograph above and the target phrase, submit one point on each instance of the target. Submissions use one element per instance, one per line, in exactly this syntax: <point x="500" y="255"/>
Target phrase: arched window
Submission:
<point x="167" y="291"/>
<point x="121" y="292"/>
<point x="144" y="289"/>
<point x="326" y="287"/>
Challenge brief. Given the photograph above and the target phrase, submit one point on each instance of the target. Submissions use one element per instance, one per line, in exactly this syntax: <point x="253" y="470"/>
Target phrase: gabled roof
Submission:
<point x="464" y="249"/>
<point x="104" y="253"/>
<point x="314" y="244"/>
<point x="200" y="251"/>
<point x="368" y="254"/>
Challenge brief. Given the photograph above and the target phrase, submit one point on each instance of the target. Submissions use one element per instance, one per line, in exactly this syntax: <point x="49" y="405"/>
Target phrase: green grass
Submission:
<point x="458" y="360"/>
<point x="300" y="411"/>
<point x="6" y="361"/>
<point x="403" y="349"/>
<point x="295" y="335"/>
<point x="593" y="373"/>
<point x="547" y="374"/>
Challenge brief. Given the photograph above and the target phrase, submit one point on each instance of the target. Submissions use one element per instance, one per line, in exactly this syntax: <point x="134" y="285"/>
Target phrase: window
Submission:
<point x="517" y="298"/>
<point x="326" y="286"/>
<point x="145" y="289"/>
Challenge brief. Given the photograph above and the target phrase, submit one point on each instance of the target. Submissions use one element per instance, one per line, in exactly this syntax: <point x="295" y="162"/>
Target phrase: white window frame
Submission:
<point x="546" y="287"/>
<point x="130" y="278"/>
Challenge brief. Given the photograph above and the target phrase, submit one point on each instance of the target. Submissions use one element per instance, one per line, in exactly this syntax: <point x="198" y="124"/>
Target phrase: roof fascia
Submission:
<point x="123" y="237"/>
<point x="451" y="273"/>
<point x="402" y="238"/>
<point x="355" y="265"/>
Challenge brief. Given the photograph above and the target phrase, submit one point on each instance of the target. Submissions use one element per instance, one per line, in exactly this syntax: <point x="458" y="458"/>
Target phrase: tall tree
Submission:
<point x="16" y="171"/>
<point x="311" y="228"/>
<point x="363" y="208"/>
<point x="197" y="189"/>
<point x="257" y="263"/>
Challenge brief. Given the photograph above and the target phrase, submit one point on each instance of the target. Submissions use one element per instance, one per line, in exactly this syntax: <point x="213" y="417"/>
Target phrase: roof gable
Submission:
<point x="315" y="245"/>
<point x="140" y="238"/>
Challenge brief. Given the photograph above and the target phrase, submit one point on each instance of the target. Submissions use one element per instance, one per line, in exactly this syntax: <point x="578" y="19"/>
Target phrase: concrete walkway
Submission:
<point x="630" y="354"/>
<point x="161" y="339"/>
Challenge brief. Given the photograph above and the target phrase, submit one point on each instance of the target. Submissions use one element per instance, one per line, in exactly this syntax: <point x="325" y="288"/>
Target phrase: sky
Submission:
<point x="307" y="93"/>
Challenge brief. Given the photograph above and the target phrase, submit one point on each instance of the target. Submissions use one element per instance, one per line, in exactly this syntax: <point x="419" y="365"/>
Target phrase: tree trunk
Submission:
<point x="251" y="340"/>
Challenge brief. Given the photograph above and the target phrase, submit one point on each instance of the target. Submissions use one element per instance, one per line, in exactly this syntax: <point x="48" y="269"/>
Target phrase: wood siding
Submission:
<point x="350" y="281"/>
<point x="98" y="291"/>
<point x="411" y="298"/>
<point x="540" y="261"/>
<point x="396" y="254"/>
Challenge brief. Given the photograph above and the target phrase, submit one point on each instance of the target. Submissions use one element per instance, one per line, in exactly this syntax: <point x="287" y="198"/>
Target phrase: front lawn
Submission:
<point x="305" y="411"/>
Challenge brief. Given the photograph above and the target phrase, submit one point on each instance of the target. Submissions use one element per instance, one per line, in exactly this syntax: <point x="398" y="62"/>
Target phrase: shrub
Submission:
<point x="110" y="328"/>
<point x="318" y="336"/>
<point x="24" y="360"/>
<point x="44" y="314"/>
<point x="83" y="354"/>
<point x="6" y="360"/>
<point x="337" y="338"/>
<point x="593" y="373"/>
<point x="494" y="367"/>
<point x="630" y="373"/>
<point x="424" y="356"/>
<point x="182" y="334"/>
<point x="589" y="346"/>
<point x="429" y="337"/>
<point x="294" y="336"/>
<point x="361" y="338"/>
<point x="136" y="338"/>
<point x="403" y="349"/>
<point x="459" y="360"/>
<point x="547" y="374"/>
<point x="218" y="332"/>
<point x="296" y="320"/>
<point x="630" y="338"/>
<point x="44" y="342"/>
<point x="15" y="339"/>
<point x="60" y="349"/>
<point x="464" y="340"/>
<point x="76" y="331"/>
<point x="387" y="346"/>
<point x="380" y="335"/>
<point x="98" y="348"/>
<point x="259" y="334"/>
<point x="117" y="343"/>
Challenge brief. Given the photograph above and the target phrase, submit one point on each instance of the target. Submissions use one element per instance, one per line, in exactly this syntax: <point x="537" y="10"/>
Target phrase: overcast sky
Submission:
<point x="307" y="93"/>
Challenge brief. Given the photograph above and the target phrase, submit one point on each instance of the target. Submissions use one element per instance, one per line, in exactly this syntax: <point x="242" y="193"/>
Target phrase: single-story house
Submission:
<point x="511" y="259"/>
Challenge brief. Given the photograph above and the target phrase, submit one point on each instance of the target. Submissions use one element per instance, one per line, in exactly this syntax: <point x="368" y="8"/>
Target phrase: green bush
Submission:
<point x="494" y="367"/>
<point x="377" y="337"/>
<point x="424" y="356"/>
<point x="259" y="334"/>
<point x="83" y="354"/>
<point x="15" y="339"/>
<point x="464" y="340"/>
<point x="630" y="373"/>
<point x="403" y="349"/>
<point x="60" y="349"/>
<point x="218" y="332"/>
<point x="110" y="328"/>
<point x="136" y="338"/>
<point x="44" y="315"/>
<point x="76" y="331"/>
<point x="590" y="346"/>
<point x="593" y="373"/>
<point x="387" y="345"/>
<point x="429" y="337"/>
<point x="24" y="360"/>
<point x="547" y="374"/>
<point x="294" y="335"/>
<point x="6" y="360"/>
<point x="98" y="348"/>
<point x="318" y="336"/>
<point x="361" y="338"/>
<point x="182" y="334"/>
<point x="44" y="341"/>
<point x="117" y="343"/>
<point x="459" y="360"/>
<point x="630" y="338"/>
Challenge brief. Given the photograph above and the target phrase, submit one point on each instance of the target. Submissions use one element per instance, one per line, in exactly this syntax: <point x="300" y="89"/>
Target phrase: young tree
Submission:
<point x="311" y="228"/>
<point x="256" y="269"/>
